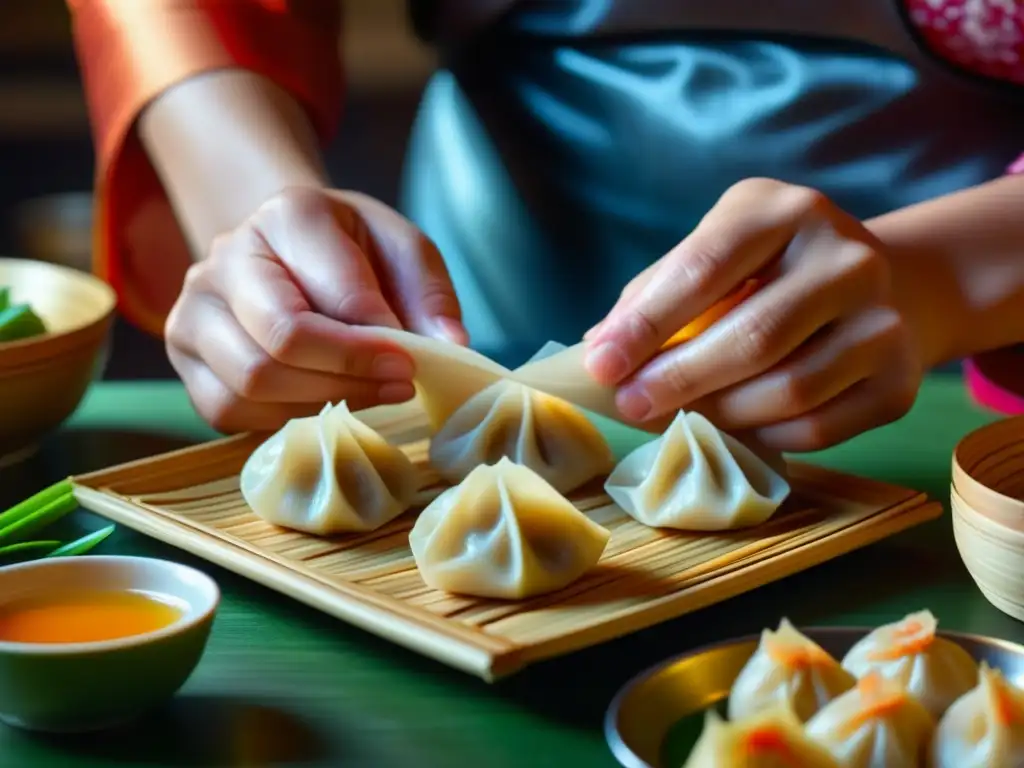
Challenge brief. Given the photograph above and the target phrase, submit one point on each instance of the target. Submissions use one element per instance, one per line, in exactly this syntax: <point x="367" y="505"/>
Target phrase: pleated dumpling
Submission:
<point x="696" y="478"/>
<point x="507" y="419"/>
<point x="504" y="532"/>
<point x="984" y="728"/>
<point x="773" y="738"/>
<point x="787" y="668"/>
<point x="328" y="474"/>
<point x="935" y="670"/>
<point x="876" y="724"/>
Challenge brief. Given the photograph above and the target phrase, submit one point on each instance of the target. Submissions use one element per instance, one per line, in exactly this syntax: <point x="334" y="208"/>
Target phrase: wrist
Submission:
<point x="253" y="141"/>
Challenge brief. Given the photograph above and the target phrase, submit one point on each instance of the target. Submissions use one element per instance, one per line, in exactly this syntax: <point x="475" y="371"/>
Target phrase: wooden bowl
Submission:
<point x="987" y="502"/>
<point x="988" y="469"/>
<point x="993" y="554"/>
<point x="43" y="379"/>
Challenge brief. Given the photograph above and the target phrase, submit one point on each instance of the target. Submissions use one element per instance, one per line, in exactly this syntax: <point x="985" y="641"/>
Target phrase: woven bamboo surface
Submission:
<point x="190" y="499"/>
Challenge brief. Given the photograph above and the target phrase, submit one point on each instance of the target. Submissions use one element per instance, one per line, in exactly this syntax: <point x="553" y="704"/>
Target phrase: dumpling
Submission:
<point x="984" y="728"/>
<point x="695" y="477"/>
<point x="934" y="670"/>
<point x="504" y="532"/>
<point x="541" y="432"/>
<point x="329" y="474"/>
<point x="773" y="738"/>
<point x="877" y="724"/>
<point x="787" y="668"/>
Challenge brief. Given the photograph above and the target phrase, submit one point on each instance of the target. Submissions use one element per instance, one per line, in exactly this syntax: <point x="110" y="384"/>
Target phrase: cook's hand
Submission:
<point x="816" y="356"/>
<point x="268" y="326"/>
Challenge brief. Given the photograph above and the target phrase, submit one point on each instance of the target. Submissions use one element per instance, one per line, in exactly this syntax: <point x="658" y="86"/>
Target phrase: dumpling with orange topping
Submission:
<point x="787" y="667"/>
<point x="876" y="724"/>
<point x="984" y="728"/>
<point x="773" y="738"/>
<point x="935" y="670"/>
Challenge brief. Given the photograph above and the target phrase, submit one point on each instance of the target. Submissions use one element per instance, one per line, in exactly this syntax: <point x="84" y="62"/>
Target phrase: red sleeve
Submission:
<point x="129" y="52"/>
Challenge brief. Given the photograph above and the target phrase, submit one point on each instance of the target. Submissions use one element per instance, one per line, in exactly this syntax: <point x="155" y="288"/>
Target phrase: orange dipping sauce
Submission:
<point x="86" y="617"/>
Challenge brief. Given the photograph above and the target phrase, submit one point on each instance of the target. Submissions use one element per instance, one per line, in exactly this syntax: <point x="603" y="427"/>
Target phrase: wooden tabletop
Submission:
<point x="283" y="685"/>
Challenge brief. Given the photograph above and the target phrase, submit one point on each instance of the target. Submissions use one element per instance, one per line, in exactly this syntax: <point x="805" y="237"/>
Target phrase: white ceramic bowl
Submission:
<point x="78" y="687"/>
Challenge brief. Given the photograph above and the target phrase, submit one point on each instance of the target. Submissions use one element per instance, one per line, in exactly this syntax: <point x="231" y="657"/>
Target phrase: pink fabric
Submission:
<point x="990" y="395"/>
<point x="985" y="37"/>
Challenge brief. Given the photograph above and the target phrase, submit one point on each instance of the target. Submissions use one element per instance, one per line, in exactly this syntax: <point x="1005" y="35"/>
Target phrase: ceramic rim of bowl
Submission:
<point x="95" y="283"/>
<point x="984" y="461"/>
<point x="176" y="627"/>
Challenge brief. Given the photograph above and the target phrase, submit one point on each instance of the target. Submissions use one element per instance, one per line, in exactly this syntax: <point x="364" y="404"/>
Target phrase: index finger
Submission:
<point x="749" y="226"/>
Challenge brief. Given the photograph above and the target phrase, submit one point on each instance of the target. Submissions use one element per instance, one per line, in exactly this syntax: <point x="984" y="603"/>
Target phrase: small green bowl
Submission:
<point x="81" y="687"/>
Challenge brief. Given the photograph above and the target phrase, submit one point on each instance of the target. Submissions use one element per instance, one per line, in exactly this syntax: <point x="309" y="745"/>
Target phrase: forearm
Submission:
<point x="223" y="143"/>
<point x="958" y="268"/>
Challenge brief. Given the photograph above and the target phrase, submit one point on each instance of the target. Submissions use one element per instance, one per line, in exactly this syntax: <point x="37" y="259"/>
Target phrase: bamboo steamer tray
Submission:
<point x="190" y="499"/>
<point x="987" y="502"/>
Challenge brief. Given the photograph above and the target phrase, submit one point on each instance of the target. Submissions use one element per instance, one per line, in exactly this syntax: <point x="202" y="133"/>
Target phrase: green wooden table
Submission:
<point x="283" y="685"/>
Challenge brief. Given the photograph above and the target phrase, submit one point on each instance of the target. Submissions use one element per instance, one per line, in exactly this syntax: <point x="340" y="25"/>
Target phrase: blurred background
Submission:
<point x="46" y="158"/>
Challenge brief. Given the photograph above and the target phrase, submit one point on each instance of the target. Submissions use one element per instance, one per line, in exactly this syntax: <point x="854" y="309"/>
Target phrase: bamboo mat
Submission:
<point x="190" y="499"/>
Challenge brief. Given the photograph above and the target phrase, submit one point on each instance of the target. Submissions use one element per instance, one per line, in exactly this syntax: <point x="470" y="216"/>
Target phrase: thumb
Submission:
<point x="412" y="271"/>
<point x="303" y="229"/>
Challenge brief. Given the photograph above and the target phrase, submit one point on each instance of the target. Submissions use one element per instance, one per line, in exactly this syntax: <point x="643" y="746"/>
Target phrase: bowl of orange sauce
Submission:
<point x="88" y="643"/>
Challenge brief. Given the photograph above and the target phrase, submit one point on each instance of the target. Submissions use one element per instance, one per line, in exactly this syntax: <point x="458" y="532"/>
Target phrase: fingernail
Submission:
<point x="608" y="363"/>
<point x="391" y="366"/>
<point x="634" y="403"/>
<point x="395" y="392"/>
<point x="589" y="334"/>
<point x="450" y="329"/>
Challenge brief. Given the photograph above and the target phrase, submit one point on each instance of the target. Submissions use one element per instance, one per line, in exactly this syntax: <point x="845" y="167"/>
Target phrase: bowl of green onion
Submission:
<point x="54" y="327"/>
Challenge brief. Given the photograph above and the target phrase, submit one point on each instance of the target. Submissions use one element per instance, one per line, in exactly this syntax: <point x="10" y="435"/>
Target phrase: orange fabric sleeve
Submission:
<point x="129" y="52"/>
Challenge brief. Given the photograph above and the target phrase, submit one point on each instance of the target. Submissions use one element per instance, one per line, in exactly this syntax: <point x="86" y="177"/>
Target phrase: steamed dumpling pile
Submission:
<point x="902" y="698"/>
<point x="507" y="419"/>
<point x="772" y="738"/>
<point x="984" y="728"/>
<point x="695" y="477"/>
<point x="504" y="532"/>
<point x="935" y="670"/>
<point x="876" y="723"/>
<point x="328" y="474"/>
<point x="787" y="668"/>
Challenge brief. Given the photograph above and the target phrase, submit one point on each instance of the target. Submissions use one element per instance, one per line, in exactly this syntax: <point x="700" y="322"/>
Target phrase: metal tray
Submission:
<point x="669" y="699"/>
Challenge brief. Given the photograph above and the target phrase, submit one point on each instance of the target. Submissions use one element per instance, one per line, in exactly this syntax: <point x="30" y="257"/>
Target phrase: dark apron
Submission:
<point x="567" y="145"/>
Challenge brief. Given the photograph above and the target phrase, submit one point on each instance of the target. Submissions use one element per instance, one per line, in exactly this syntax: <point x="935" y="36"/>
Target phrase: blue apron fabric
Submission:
<point x="567" y="146"/>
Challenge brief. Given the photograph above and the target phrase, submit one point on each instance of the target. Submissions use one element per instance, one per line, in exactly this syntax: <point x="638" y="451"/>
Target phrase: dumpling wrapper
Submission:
<point x="506" y="533"/>
<point x="697" y="478"/>
<point x="984" y="728"/>
<point x="876" y="724"/>
<point x="787" y="668"/>
<point x="773" y="738"/>
<point x="447" y="375"/>
<point x="935" y="670"/>
<point x="329" y="474"/>
<point x="507" y="419"/>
